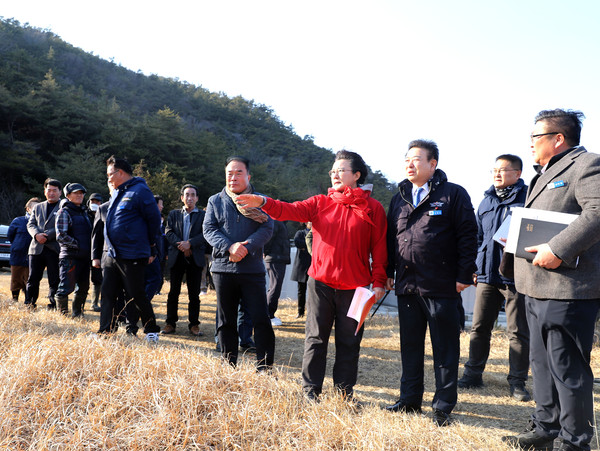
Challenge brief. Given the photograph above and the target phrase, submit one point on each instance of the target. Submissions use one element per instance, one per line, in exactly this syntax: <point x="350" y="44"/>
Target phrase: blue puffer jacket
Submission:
<point x="434" y="245"/>
<point x="491" y="213"/>
<point x="20" y="240"/>
<point x="225" y="225"/>
<point x="132" y="221"/>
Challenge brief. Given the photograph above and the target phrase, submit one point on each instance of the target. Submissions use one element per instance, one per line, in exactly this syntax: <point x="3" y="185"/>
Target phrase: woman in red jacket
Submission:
<point x="349" y="251"/>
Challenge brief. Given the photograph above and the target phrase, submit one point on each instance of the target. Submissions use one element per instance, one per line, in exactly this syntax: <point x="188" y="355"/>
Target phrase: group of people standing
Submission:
<point x="429" y="248"/>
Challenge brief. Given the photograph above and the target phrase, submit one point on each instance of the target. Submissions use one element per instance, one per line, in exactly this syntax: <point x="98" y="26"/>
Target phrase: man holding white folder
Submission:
<point x="562" y="300"/>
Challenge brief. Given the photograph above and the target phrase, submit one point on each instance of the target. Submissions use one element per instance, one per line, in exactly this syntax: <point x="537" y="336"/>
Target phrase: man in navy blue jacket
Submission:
<point x="237" y="236"/>
<point x="432" y="245"/>
<point x="493" y="288"/>
<point x="131" y="228"/>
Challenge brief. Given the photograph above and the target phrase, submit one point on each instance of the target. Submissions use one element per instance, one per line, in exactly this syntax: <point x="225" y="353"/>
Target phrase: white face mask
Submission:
<point x="94" y="207"/>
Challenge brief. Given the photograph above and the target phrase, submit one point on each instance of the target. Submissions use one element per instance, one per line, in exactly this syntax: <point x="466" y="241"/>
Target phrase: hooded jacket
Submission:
<point x="491" y="214"/>
<point x="433" y="245"/>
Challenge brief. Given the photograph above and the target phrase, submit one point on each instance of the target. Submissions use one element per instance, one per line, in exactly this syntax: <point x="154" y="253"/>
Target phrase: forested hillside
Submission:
<point x="64" y="111"/>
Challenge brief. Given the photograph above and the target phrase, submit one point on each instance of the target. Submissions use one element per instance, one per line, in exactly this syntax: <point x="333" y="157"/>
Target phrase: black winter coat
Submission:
<point x="434" y="245"/>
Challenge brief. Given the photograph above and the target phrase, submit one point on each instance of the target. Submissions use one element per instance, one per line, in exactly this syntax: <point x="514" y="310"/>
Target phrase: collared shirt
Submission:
<point x="424" y="192"/>
<point x="187" y="223"/>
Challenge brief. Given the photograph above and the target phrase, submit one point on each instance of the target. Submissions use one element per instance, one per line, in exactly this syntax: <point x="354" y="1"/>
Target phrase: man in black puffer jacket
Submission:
<point x="432" y="245"/>
<point x="74" y="235"/>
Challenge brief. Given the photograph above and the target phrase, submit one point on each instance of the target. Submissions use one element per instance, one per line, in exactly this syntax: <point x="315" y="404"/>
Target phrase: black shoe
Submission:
<point x="441" y="418"/>
<point x="218" y="348"/>
<point x="248" y="347"/>
<point x="563" y="445"/>
<point x="529" y="440"/>
<point x="470" y="382"/>
<point x="311" y="396"/>
<point x="402" y="406"/>
<point x="519" y="392"/>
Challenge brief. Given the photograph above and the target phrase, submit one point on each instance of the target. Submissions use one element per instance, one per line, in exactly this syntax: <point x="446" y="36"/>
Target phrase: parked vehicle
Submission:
<point x="4" y="246"/>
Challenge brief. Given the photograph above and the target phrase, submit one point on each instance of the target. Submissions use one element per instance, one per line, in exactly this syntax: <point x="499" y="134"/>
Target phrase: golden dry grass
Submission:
<point x="62" y="388"/>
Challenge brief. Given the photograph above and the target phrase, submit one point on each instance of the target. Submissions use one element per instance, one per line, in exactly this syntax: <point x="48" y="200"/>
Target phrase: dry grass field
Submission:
<point x="62" y="388"/>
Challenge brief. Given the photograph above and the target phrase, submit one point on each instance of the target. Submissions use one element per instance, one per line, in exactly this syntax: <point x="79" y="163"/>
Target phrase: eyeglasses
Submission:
<point x="339" y="171"/>
<point x="110" y="174"/>
<point x="534" y="137"/>
<point x="501" y="170"/>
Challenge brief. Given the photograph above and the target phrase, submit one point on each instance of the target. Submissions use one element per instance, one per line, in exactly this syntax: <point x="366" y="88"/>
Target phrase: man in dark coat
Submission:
<point x="186" y="257"/>
<point x="277" y="257"/>
<point x="432" y="245"/>
<point x="302" y="262"/>
<point x="493" y="288"/>
<point x="562" y="299"/>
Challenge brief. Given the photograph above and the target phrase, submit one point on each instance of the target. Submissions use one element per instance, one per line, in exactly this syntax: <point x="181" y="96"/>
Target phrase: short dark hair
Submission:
<point x="33" y="200"/>
<point x="158" y="197"/>
<point x="430" y="146"/>
<point x="119" y="163"/>
<point x="189" y="185"/>
<point x="241" y="160"/>
<point x="514" y="161"/>
<point x="356" y="163"/>
<point x="52" y="182"/>
<point x="566" y="122"/>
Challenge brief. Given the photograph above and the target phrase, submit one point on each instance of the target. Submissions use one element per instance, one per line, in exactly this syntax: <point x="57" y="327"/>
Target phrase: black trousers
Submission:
<point x="488" y="302"/>
<point x="276" y="272"/>
<point x="47" y="260"/>
<point x="193" y="278"/>
<point x="415" y="313"/>
<point x="125" y="274"/>
<point x="561" y="334"/>
<point x="249" y="289"/>
<point x="301" y="297"/>
<point x="325" y="307"/>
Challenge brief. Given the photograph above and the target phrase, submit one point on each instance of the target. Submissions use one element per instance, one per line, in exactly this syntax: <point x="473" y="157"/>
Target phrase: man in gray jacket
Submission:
<point x="562" y="287"/>
<point x="237" y="237"/>
<point x="44" y="249"/>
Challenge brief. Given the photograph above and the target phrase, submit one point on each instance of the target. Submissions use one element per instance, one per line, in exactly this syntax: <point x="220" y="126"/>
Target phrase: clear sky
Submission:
<point x="366" y="76"/>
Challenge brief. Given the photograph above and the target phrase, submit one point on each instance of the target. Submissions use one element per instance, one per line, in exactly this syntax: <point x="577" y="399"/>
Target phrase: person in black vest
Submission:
<point x="74" y="235"/>
<point x="43" y="250"/>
